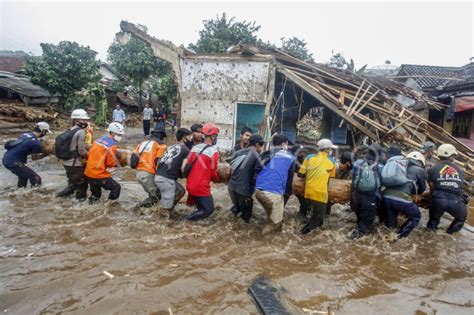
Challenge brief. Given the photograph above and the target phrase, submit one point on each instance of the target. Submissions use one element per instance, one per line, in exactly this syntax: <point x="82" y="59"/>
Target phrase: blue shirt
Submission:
<point x="118" y="115"/>
<point x="30" y="145"/>
<point x="276" y="175"/>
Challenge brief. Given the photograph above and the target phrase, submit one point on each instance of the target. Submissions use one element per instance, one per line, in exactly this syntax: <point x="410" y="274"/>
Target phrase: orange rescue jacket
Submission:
<point x="101" y="156"/>
<point x="152" y="150"/>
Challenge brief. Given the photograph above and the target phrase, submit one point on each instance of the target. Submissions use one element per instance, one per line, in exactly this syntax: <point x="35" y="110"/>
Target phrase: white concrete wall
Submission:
<point x="211" y="88"/>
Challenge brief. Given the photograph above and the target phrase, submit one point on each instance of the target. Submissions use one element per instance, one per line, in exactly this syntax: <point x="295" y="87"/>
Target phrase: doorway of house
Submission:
<point x="248" y="115"/>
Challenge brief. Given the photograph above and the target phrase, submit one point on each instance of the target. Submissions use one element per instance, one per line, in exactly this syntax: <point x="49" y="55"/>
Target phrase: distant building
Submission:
<point x="12" y="61"/>
<point x="452" y="86"/>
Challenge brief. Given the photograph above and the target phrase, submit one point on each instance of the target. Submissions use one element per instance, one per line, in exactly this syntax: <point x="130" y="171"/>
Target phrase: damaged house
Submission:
<point x="271" y="91"/>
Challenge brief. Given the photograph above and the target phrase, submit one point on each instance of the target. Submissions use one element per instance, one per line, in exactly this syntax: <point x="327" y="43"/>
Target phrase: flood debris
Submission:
<point x="108" y="274"/>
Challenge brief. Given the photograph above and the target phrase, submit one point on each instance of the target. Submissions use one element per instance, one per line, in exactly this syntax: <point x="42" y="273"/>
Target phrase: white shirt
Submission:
<point x="147" y="113"/>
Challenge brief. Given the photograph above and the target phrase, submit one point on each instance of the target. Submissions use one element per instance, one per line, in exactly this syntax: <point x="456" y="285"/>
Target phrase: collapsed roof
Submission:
<point x="370" y="105"/>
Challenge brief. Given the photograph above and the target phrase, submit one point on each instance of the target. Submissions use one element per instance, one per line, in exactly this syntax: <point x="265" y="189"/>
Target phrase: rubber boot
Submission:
<point x="406" y="228"/>
<point x="455" y="226"/>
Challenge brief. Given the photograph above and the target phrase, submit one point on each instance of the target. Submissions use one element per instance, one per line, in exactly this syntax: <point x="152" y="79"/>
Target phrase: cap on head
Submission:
<point x="447" y="150"/>
<point x="116" y="128"/>
<point x="325" y="144"/>
<point x="428" y="145"/>
<point x="196" y="128"/>
<point x="256" y="139"/>
<point x="279" y="140"/>
<point x="394" y="151"/>
<point x="43" y="126"/>
<point x="79" y="114"/>
<point x="210" y="129"/>
<point x="417" y="156"/>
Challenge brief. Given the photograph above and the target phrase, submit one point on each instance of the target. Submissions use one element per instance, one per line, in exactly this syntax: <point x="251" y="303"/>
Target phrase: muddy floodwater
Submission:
<point x="53" y="254"/>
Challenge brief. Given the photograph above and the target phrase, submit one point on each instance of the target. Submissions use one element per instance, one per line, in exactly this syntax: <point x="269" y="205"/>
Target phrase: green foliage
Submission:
<point x="91" y="96"/>
<point x="164" y="85"/>
<point x="134" y="61"/>
<point x="221" y="33"/>
<point x="116" y="86"/>
<point x="338" y="61"/>
<point x="63" y="69"/>
<point x="297" y="48"/>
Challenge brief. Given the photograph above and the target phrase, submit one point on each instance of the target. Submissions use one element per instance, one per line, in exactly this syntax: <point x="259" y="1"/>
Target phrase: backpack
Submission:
<point x="10" y="144"/>
<point x="62" y="145"/>
<point x="394" y="173"/>
<point x="367" y="178"/>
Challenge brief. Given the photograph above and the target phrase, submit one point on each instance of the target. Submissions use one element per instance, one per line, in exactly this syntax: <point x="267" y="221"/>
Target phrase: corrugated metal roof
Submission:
<point x="21" y="85"/>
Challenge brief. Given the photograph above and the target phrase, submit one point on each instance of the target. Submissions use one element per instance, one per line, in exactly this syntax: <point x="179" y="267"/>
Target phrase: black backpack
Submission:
<point x="62" y="146"/>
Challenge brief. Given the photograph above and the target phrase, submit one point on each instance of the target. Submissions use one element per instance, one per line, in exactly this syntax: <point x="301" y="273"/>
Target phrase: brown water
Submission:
<point x="53" y="253"/>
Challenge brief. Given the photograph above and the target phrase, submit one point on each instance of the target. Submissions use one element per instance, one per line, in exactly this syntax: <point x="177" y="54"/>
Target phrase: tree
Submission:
<point x="221" y="33"/>
<point x="70" y="70"/>
<point x="338" y="61"/>
<point x="164" y="85"/>
<point x="63" y="69"/>
<point x="296" y="47"/>
<point x="134" y="61"/>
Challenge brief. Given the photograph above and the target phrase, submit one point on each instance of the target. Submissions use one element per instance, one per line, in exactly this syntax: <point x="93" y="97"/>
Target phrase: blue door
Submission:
<point x="249" y="115"/>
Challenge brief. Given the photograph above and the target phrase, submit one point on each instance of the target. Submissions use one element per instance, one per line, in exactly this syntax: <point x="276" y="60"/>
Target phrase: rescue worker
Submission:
<point x="429" y="149"/>
<point x="242" y="181"/>
<point x="397" y="199"/>
<point x="245" y="134"/>
<point x="274" y="180"/>
<point x="17" y="154"/>
<point x="446" y="181"/>
<point x="365" y="195"/>
<point x="149" y="151"/>
<point x="102" y="156"/>
<point x="203" y="161"/>
<point x="344" y="167"/>
<point x="169" y="169"/>
<point x="75" y="167"/>
<point x="316" y="170"/>
<point x="197" y="138"/>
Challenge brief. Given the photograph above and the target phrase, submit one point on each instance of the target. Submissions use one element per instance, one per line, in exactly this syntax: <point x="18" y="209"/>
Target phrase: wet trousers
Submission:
<point x="96" y="185"/>
<point x="318" y="209"/>
<point x="24" y="174"/>
<point x="77" y="182"/>
<point x="243" y="204"/>
<point x="273" y="205"/>
<point x="454" y="206"/>
<point x="205" y="207"/>
<point x="365" y="208"/>
<point x="409" y="209"/>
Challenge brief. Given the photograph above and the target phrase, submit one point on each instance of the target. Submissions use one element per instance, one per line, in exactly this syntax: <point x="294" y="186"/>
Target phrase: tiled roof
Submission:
<point x="431" y="76"/>
<point x="11" y="63"/>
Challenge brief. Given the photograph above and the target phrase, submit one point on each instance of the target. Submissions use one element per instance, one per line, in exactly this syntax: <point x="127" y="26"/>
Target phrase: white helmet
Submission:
<point x="417" y="156"/>
<point x="447" y="150"/>
<point x="116" y="128"/>
<point x="326" y="144"/>
<point x="79" y="114"/>
<point x="43" y="126"/>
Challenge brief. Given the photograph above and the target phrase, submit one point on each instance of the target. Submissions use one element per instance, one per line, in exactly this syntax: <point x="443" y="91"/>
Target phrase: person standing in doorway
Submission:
<point x="147" y="115"/>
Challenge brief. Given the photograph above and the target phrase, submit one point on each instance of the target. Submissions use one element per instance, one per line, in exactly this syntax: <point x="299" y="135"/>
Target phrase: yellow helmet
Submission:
<point x="447" y="150"/>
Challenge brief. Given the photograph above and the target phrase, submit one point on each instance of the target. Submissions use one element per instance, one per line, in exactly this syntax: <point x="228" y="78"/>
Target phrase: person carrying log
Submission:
<point x="169" y="169"/>
<point x="242" y="181"/>
<point x="70" y="146"/>
<point x="146" y="155"/>
<point x="317" y="169"/>
<point x="200" y="169"/>
<point x="17" y="154"/>
<point x="403" y="177"/>
<point x="365" y="195"/>
<point x="446" y="181"/>
<point x="428" y="150"/>
<point x="102" y="156"/>
<point x="274" y="180"/>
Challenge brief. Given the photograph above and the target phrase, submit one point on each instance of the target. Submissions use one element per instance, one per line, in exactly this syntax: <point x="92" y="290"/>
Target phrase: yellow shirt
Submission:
<point x="317" y="168"/>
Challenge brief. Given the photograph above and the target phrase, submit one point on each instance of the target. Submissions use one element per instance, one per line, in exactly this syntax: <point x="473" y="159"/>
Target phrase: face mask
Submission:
<point x="82" y="125"/>
<point x="118" y="138"/>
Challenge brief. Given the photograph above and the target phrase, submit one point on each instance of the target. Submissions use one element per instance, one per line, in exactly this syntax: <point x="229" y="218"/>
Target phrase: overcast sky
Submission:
<point x="424" y="32"/>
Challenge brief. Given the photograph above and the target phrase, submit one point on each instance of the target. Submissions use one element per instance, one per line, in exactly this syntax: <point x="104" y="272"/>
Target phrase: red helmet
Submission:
<point x="210" y="129"/>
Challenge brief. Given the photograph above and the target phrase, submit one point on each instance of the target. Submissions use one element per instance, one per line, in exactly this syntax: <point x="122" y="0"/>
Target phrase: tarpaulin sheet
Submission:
<point x="464" y="103"/>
